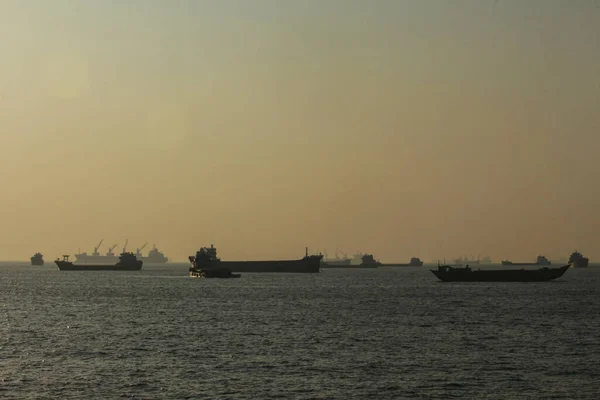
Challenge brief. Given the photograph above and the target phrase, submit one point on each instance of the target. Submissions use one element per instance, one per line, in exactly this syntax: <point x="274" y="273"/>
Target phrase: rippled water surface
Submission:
<point x="341" y="334"/>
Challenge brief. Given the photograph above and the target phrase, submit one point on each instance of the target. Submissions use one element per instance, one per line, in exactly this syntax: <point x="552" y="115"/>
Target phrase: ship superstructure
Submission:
<point x="154" y="256"/>
<point x="577" y="260"/>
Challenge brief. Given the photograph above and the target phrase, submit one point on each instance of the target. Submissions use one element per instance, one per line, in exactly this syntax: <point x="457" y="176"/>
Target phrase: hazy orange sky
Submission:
<point x="426" y="128"/>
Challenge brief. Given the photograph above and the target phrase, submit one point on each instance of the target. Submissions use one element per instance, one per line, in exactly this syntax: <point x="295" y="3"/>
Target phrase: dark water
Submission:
<point x="341" y="334"/>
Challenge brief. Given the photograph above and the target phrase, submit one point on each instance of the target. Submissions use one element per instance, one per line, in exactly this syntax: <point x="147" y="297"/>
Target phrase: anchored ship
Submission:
<point x="541" y="260"/>
<point x="578" y="260"/>
<point x="206" y="258"/>
<point x="154" y="256"/>
<point x="37" y="259"/>
<point x="127" y="262"/>
<point x="366" y="261"/>
<point x="338" y="261"/>
<point x="448" y="273"/>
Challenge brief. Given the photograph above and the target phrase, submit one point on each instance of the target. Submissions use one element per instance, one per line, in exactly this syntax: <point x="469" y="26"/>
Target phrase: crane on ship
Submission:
<point x="110" y="250"/>
<point x="95" y="253"/>
<point x="138" y="252"/>
<point x="125" y="245"/>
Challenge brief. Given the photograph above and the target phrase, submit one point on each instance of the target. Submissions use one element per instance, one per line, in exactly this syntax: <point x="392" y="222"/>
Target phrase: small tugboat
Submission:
<point x="541" y="260"/>
<point x="449" y="273"/>
<point x="37" y="259"/>
<point x="578" y="260"/>
<point x="208" y="257"/>
<point x="414" y="262"/>
<point x="127" y="262"/>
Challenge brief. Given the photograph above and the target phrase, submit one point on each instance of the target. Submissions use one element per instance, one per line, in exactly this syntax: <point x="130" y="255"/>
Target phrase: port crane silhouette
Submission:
<point x="138" y="252"/>
<point x="110" y="250"/>
<point x="97" y="247"/>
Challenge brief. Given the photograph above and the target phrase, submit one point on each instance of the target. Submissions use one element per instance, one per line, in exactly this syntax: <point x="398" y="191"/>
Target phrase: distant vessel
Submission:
<point x="37" y="259"/>
<point x="127" y="262"/>
<point x="343" y="261"/>
<point x="578" y="260"/>
<point x="366" y="261"/>
<point x="414" y="262"/>
<point x="447" y="273"/>
<point x="465" y="260"/>
<point x="206" y="258"/>
<point x="154" y="256"/>
<point x="97" y="258"/>
<point x="541" y="260"/>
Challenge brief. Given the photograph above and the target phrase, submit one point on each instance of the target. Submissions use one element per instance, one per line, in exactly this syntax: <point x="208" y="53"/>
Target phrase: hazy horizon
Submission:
<point x="399" y="128"/>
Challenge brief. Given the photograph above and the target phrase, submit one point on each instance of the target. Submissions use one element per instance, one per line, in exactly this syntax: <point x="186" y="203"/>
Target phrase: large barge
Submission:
<point x="127" y="262"/>
<point x="206" y="258"/>
<point x="449" y="273"/>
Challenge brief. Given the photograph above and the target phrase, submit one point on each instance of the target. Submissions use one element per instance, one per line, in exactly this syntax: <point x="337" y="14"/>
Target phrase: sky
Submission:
<point x="432" y="128"/>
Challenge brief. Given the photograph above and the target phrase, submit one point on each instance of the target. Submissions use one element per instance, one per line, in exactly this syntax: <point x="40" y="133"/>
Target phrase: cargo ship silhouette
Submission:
<point x="206" y="258"/>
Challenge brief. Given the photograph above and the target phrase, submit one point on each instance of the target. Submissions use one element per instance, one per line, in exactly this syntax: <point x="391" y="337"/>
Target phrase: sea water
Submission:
<point x="388" y="333"/>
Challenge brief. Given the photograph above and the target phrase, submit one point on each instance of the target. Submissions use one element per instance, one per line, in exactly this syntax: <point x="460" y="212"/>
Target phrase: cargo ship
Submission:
<point x="338" y="261"/>
<point x="127" y="262"/>
<point x="37" y="259"/>
<point x="206" y="258"/>
<point x="541" y="260"/>
<point x="154" y="256"/>
<point x="414" y="262"/>
<point x="367" y="261"/>
<point x="448" y="273"/>
<point x="577" y="260"/>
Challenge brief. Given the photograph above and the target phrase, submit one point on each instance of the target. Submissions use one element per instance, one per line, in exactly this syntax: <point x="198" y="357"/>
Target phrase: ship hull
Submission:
<point x="520" y="275"/>
<point x="305" y="265"/>
<point x="581" y="264"/>
<point x="68" y="266"/>
<point x="37" y="262"/>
